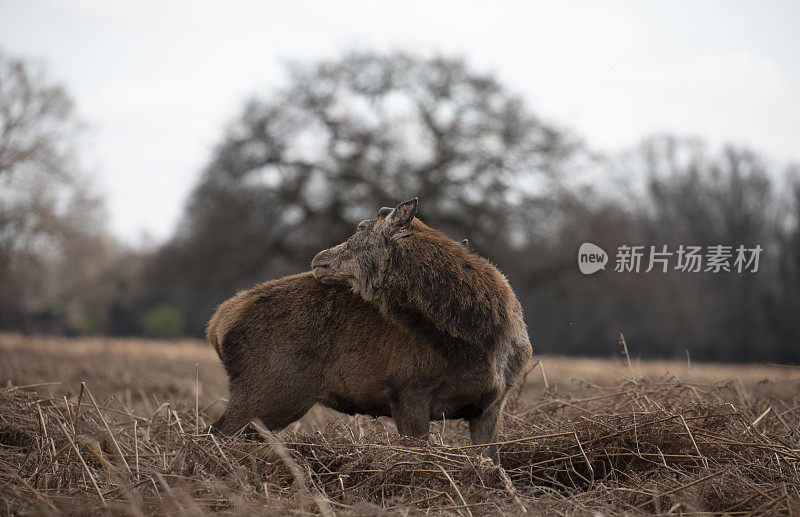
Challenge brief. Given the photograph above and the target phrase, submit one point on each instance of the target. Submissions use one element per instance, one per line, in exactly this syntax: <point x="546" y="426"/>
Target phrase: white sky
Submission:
<point x="157" y="81"/>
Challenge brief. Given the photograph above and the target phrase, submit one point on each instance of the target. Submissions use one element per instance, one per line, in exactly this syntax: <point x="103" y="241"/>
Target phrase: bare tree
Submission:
<point x="47" y="212"/>
<point x="784" y="304"/>
<point x="296" y="170"/>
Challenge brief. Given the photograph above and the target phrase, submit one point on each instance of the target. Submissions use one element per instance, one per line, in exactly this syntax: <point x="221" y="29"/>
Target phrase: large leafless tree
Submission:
<point x="50" y="223"/>
<point x="298" y="168"/>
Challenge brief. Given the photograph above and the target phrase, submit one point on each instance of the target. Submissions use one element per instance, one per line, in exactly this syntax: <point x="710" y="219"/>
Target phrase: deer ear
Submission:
<point x="403" y="214"/>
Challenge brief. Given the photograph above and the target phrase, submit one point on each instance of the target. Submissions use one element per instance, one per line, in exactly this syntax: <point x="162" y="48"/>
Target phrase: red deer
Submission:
<point x="472" y="340"/>
<point x="292" y="342"/>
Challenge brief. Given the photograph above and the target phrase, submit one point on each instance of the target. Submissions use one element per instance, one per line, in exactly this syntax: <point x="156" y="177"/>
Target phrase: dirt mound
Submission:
<point x="658" y="447"/>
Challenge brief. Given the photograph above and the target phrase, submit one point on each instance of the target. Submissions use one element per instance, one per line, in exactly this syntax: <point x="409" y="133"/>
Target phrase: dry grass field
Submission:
<point x="581" y="436"/>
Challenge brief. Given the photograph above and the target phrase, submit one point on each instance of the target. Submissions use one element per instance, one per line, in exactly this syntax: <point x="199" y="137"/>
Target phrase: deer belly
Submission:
<point x="358" y="404"/>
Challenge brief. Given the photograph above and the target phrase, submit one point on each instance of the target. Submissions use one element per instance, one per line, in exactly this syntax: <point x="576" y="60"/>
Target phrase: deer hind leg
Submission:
<point x="275" y="405"/>
<point x="236" y="416"/>
<point x="483" y="428"/>
<point x="411" y="414"/>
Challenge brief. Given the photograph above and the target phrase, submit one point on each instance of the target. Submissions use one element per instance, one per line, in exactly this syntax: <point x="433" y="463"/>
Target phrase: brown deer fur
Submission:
<point x="386" y="350"/>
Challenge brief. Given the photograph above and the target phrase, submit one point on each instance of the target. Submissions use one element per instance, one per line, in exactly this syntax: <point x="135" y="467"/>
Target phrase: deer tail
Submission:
<point x="213" y="334"/>
<point x="226" y="317"/>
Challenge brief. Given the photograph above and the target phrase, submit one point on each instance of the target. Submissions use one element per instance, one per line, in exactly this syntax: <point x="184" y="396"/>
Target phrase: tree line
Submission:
<point x="298" y="167"/>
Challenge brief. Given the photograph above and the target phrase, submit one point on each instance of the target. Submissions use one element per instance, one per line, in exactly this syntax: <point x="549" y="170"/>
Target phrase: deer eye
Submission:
<point x="360" y="227"/>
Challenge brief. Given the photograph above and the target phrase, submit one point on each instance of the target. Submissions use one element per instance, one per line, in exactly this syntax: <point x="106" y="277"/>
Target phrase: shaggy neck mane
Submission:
<point x="460" y="293"/>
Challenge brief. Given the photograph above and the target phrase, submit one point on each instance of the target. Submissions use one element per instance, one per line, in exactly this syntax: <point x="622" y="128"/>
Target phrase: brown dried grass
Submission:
<point x="639" y="447"/>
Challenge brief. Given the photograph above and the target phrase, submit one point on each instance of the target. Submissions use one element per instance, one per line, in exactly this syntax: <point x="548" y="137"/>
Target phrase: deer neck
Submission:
<point x="457" y="292"/>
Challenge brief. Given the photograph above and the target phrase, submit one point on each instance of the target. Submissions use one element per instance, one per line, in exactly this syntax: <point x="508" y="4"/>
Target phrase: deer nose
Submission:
<point x="320" y="259"/>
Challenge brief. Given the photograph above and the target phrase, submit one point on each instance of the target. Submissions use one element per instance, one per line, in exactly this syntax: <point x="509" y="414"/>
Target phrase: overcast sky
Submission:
<point x="156" y="81"/>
